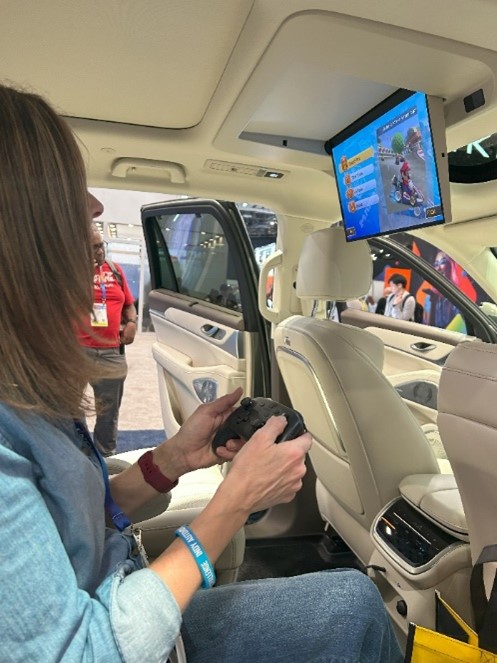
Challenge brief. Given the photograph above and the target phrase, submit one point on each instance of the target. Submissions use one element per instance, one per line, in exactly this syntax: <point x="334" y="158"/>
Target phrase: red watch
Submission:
<point x="153" y="476"/>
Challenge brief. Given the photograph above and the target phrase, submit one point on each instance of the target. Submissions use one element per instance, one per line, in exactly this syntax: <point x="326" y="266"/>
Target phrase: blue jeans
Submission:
<point x="326" y="617"/>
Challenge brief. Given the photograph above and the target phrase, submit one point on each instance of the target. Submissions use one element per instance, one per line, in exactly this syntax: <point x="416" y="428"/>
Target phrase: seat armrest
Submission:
<point x="437" y="497"/>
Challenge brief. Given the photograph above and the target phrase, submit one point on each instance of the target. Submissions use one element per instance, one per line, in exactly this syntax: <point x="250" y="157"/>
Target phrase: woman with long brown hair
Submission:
<point x="74" y="587"/>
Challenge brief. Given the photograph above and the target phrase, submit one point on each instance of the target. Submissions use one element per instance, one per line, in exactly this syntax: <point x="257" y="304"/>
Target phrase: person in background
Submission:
<point x="440" y="311"/>
<point x="75" y="584"/>
<point x="227" y="297"/>
<point x="378" y="306"/>
<point x="112" y="327"/>
<point x="400" y="304"/>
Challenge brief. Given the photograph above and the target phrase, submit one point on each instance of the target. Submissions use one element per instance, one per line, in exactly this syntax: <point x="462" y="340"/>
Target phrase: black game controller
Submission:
<point x="251" y="415"/>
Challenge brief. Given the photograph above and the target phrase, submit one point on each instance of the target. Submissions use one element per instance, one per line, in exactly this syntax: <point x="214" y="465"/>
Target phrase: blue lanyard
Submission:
<point x="120" y="519"/>
<point x="103" y="288"/>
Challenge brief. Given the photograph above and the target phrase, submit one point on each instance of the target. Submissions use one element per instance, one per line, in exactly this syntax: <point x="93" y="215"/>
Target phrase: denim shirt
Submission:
<point x="70" y="588"/>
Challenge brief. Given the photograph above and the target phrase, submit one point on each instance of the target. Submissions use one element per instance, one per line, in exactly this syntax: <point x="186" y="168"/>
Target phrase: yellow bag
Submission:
<point x="454" y="641"/>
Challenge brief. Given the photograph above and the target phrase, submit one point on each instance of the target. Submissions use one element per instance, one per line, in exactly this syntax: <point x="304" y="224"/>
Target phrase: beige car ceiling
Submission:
<point x="167" y="95"/>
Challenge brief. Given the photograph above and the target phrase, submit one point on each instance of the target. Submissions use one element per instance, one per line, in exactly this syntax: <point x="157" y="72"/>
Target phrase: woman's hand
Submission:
<point x="190" y="449"/>
<point x="263" y="473"/>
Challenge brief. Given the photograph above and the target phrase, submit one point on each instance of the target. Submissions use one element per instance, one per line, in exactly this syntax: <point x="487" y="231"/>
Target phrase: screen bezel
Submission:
<point x="437" y="130"/>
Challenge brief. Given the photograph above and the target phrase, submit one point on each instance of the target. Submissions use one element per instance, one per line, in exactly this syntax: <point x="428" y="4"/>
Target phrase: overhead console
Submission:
<point x="331" y="83"/>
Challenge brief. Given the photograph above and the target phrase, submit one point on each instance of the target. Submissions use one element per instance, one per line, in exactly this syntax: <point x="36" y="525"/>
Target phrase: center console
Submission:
<point x="407" y="535"/>
<point x="421" y="545"/>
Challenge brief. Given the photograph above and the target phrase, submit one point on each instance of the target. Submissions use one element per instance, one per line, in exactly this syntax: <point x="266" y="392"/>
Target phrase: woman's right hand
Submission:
<point x="263" y="473"/>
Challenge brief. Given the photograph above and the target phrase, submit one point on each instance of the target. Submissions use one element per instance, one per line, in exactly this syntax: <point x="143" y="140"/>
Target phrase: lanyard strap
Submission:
<point x="120" y="519"/>
<point x="103" y="288"/>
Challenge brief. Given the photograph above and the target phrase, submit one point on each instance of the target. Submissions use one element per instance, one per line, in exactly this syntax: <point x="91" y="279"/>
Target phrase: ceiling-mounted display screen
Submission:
<point x="391" y="167"/>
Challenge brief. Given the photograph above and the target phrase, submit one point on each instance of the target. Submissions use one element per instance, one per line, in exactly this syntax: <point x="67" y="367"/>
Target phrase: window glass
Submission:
<point x="262" y="228"/>
<point x="200" y="264"/>
<point x="432" y="308"/>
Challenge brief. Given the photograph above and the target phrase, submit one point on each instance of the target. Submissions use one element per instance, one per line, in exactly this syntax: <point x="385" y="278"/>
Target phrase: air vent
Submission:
<point x="229" y="168"/>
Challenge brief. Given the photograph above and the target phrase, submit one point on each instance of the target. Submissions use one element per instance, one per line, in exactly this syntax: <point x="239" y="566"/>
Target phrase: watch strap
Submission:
<point x="152" y="474"/>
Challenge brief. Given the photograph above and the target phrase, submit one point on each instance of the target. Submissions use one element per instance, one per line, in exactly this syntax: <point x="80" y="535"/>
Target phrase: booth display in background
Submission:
<point x="438" y="311"/>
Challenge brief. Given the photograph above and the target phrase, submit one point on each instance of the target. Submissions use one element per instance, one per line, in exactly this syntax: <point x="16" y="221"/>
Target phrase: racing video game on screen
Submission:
<point x="386" y="173"/>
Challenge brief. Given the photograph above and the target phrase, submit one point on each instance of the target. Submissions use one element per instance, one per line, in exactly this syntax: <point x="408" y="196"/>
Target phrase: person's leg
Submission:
<point x="108" y="396"/>
<point x="326" y="617"/>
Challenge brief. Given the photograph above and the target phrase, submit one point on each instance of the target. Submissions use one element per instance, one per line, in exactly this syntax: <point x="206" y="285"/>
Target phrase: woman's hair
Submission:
<point x="45" y="258"/>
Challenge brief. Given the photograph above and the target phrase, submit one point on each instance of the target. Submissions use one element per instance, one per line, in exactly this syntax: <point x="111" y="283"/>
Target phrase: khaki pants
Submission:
<point x="108" y="396"/>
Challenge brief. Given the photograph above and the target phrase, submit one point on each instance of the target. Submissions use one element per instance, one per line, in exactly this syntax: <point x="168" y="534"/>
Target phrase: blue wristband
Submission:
<point x="199" y="555"/>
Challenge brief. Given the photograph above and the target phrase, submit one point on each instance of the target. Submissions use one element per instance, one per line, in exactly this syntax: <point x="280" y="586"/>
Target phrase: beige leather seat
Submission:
<point x="365" y="438"/>
<point x="161" y="518"/>
<point x="467" y="421"/>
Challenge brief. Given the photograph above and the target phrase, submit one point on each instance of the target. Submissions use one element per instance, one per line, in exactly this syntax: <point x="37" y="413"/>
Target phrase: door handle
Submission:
<point x="421" y="346"/>
<point x="212" y="331"/>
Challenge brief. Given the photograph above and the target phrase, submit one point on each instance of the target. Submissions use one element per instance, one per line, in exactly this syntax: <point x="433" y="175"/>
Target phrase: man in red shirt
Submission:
<point x="113" y="325"/>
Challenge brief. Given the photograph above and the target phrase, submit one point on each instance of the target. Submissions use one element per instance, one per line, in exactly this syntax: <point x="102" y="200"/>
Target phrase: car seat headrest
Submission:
<point x="332" y="269"/>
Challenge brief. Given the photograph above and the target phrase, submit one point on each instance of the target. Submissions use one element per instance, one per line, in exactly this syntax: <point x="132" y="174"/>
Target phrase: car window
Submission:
<point x="262" y="228"/>
<point x="432" y="307"/>
<point x="200" y="264"/>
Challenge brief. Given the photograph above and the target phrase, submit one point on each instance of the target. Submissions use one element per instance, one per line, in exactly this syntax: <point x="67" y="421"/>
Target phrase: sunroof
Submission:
<point x="474" y="162"/>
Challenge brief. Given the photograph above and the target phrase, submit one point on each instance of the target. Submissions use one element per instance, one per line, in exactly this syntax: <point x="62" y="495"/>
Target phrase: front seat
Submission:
<point x="365" y="438"/>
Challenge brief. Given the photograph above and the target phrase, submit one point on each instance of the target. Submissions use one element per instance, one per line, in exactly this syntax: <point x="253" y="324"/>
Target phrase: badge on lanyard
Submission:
<point x="99" y="316"/>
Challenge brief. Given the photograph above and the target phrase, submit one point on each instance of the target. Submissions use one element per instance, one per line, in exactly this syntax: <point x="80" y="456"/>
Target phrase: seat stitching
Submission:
<point x="469" y="373"/>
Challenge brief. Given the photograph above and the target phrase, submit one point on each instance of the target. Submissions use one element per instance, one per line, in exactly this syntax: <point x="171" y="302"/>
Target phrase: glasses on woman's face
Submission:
<point x="440" y="262"/>
<point x="100" y="246"/>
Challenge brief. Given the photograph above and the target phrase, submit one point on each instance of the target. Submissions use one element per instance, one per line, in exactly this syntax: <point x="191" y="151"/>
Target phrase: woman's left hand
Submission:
<point x="190" y="449"/>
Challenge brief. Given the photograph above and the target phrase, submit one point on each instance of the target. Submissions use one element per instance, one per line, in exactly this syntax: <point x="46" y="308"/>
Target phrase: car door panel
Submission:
<point x="419" y="389"/>
<point x="194" y="367"/>
<point x="198" y="337"/>
<point x="206" y="343"/>
<point x="404" y="351"/>
<point x="413" y="357"/>
<point x="363" y="319"/>
<point x="413" y="365"/>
